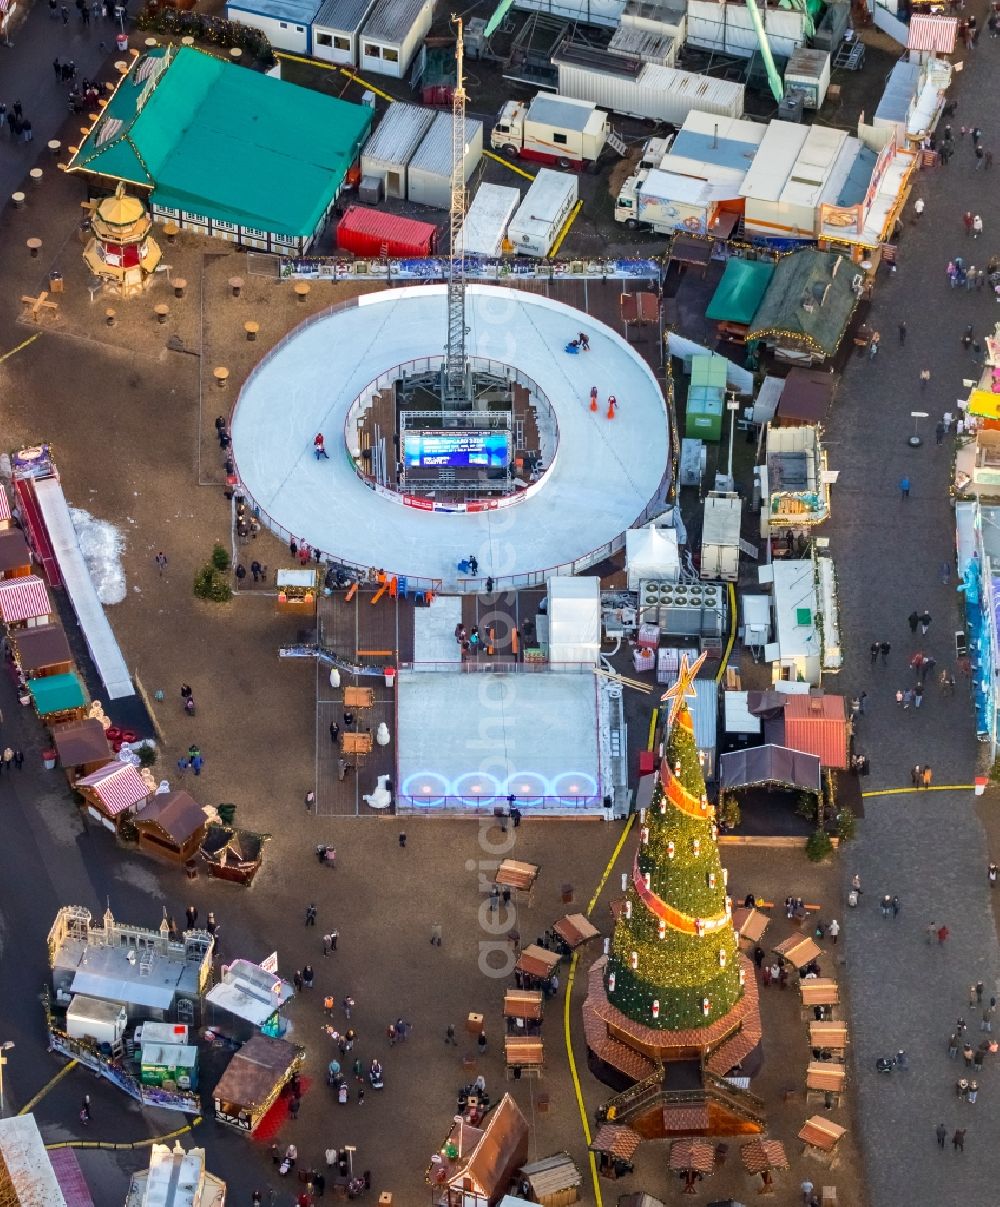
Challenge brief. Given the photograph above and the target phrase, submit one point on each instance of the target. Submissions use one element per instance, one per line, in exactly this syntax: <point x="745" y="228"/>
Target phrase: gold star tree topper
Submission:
<point x="683" y="690"/>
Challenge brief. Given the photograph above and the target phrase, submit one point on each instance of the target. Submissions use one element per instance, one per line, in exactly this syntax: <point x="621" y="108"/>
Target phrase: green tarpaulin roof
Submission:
<point x="810" y="300"/>
<point x="56" y="693"/>
<point x="740" y="291"/>
<point x="226" y="142"/>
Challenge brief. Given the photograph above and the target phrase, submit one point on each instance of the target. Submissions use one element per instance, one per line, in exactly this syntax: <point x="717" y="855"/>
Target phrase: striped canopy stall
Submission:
<point x="117" y="787"/>
<point x="24" y="599"/>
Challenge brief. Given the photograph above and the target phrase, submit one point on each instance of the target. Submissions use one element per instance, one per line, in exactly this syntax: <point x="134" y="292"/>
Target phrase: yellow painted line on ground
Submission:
<point x="132" y="1144"/>
<point x="20" y="347"/>
<point x="507" y="164"/>
<point x="553" y="251"/>
<point x="366" y="84"/>
<point x="732" y="634"/>
<point x="54" y="1081"/>
<point x="652" y="728"/>
<point x="567" y="1033"/>
<point x="932" y="788"/>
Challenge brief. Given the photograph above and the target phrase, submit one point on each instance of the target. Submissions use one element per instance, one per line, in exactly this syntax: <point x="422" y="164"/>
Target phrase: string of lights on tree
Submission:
<point x="673" y="962"/>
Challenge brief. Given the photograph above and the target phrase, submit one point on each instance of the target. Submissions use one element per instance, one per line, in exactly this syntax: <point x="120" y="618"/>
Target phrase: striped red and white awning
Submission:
<point x="23" y="599"/>
<point x="118" y="786"/>
<point x="933" y="33"/>
<point x="5" y="513"/>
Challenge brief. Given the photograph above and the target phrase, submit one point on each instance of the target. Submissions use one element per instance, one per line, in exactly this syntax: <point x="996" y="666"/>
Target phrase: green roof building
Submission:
<point x="224" y="150"/>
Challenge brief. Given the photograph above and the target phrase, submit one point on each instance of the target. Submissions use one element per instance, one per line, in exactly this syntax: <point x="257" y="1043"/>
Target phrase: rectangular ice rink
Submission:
<point x="467" y="740"/>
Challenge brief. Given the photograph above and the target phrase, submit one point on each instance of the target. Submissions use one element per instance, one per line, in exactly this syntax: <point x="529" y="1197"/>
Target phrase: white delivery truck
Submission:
<point x="543" y="212"/>
<point x="665" y="202"/>
<point x="488" y="218"/>
<point x="555" y="130"/>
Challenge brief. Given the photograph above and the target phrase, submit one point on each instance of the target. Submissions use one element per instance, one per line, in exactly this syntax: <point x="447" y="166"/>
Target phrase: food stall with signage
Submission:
<point x="253" y="1080"/>
<point x="297" y="590"/>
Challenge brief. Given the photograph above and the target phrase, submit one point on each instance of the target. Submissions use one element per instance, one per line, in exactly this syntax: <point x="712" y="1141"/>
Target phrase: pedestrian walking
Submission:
<point x="402" y="840"/>
<point x="925" y="622"/>
<point x="942" y="934"/>
<point x="977" y="227"/>
<point x="85" y="1110"/>
<point x="972" y="1091"/>
<point x="856" y="883"/>
<point x="334" y="731"/>
<point x="942" y="1134"/>
<point x="927" y="777"/>
<point x="319" y="447"/>
<point x="925" y="378"/>
<point x="886" y="905"/>
<point x="449" y="1035"/>
<point x="931" y="931"/>
<point x="18" y="758"/>
<point x="904" y="487"/>
<point x="161" y="562"/>
<point x="327" y="944"/>
<point x="56" y="65"/>
<point x="884" y="649"/>
<point x="311" y="912"/>
<point x="953" y="1045"/>
<point x="913" y="620"/>
<point x="873" y="345"/>
<point x="310" y="800"/>
<point x="916" y="776"/>
<point x="902" y="331"/>
<point x="873" y="650"/>
<point x="436" y="934"/>
<point x="183" y="763"/>
<point x="191" y="914"/>
<point x="918" y="207"/>
<point x="8" y="758"/>
<point x="939" y="432"/>
<point x="895" y="907"/>
<point x="978" y="989"/>
<point x="918" y="695"/>
<point x="348" y="1004"/>
<point x="834" y="931"/>
<point x="907" y="698"/>
<point x="967" y="217"/>
<point x="967" y="1054"/>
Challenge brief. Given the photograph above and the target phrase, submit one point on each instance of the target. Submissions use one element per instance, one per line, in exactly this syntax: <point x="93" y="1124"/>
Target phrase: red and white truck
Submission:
<point x="556" y="130"/>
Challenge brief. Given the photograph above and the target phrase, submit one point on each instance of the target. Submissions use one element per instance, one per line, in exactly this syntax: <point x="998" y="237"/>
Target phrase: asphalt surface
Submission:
<point x="929" y="848"/>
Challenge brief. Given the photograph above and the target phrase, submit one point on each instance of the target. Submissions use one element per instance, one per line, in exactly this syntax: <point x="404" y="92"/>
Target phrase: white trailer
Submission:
<point x="95" y="1019"/>
<point x="646" y="90"/>
<point x="556" y="130"/>
<point x="543" y="212"/>
<point x="720" y="536"/>
<point x="488" y="218"/>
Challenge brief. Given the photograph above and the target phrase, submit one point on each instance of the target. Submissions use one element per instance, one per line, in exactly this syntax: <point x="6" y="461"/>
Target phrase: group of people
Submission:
<point x="18" y="126"/>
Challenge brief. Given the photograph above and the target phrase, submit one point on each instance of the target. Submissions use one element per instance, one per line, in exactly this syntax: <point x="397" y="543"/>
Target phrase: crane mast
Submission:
<point x="455" y="387"/>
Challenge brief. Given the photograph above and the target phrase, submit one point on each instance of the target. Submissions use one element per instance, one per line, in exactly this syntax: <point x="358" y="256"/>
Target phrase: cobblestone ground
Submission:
<point x="929" y="848"/>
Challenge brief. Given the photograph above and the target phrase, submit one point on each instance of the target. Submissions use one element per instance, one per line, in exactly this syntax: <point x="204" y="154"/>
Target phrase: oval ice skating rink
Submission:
<point x="605" y="471"/>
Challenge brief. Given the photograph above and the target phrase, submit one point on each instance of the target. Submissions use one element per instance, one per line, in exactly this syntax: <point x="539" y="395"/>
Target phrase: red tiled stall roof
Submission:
<point x="118" y="787"/>
<point x="23" y="599"/>
<point x="617" y="1140"/>
<point x="698" y="1155"/>
<point x="818" y="725"/>
<point x="761" y="1155"/>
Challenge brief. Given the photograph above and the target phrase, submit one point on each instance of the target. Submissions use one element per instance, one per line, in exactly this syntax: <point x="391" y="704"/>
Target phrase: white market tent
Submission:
<point x="651" y="553"/>
<point x="574" y="620"/>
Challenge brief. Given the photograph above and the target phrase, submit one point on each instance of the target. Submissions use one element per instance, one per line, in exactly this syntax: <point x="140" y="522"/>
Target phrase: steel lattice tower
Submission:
<point x="455" y="388"/>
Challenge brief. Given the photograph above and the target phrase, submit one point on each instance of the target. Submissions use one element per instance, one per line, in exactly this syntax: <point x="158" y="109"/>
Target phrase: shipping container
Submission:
<point x="388" y="152"/>
<point x="543" y="212"/>
<point x="808" y="72"/>
<point x="646" y="90"/>
<point x="374" y="233"/>
<point x="488" y="218"/>
<point x="429" y="173"/>
<point x="287" y="24"/>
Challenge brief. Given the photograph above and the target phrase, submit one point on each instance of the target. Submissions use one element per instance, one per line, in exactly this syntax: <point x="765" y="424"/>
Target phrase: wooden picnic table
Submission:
<point x="356" y="743"/>
<point x="537" y="961"/>
<point x="359" y="697"/>
<point x="822" y="1134"/>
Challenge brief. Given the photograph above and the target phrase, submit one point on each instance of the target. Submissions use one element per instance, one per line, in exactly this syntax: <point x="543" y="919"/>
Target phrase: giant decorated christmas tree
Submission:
<point x="675" y="990"/>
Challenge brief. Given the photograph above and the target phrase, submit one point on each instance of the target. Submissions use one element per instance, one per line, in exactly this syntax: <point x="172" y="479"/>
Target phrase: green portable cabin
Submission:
<point x="706" y="400"/>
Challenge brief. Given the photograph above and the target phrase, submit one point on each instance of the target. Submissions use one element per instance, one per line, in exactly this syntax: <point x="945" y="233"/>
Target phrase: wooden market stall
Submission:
<point x="297" y="590"/>
<point x="750" y="924"/>
<point x="41" y="651"/>
<point x="517" y="876"/>
<point x="15" y="556"/>
<point x="820" y="1136"/>
<point x="539" y="962"/>
<point x="112" y="791"/>
<point x="171" y="824"/>
<point x="232" y="854"/>
<point x="82" y="747"/>
<point x="58" y="697"/>
<point x="692" y="1160"/>
<point x="524" y="1055"/>
<point x="826" y="1080"/>
<point x="798" y="950"/>
<point x="478" y="1164"/>
<point x="253" y="1080"/>
<point x="615" y="1147"/>
<point x="25" y="603"/>
<point x="828" y="1037"/>
<point x="553" y="1181"/>
<point x="819" y="991"/>
<point x="523" y="1008"/>
<point x="575" y="930"/>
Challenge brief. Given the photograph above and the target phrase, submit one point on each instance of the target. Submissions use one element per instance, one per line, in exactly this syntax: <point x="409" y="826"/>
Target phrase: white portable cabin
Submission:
<point x="543" y="212"/>
<point x="392" y="35"/>
<point x="388" y="152"/>
<point x="336" y="28"/>
<point x="96" y="1019"/>
<point x="287" y="23"/>
<point x="574" y="611"/>
<point x="720" y="537"/>
<point x="646" y="90"/>
<point x="794" y="654"/>
<point x="429" y="172"/>
<point x="487" y="219"/>
<point x="728" y="28"/>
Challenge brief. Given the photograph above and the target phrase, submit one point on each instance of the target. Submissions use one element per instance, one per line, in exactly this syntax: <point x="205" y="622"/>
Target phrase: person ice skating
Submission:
<point x="612" y="406"/>
<point x="584" y="341"/>
<point x="319" y="447"/>
<point x="593" y="398"/>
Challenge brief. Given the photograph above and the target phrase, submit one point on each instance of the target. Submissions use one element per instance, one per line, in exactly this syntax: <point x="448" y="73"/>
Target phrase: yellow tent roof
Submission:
<point x="121" y="210"/>
<point x="984" y="404"/>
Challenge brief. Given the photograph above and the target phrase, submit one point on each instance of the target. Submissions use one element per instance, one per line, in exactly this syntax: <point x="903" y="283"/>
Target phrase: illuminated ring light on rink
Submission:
<point x="605" y="476"/>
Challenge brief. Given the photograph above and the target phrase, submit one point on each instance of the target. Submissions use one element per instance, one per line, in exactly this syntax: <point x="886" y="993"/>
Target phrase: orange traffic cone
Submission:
<point x="612" y="404"/>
